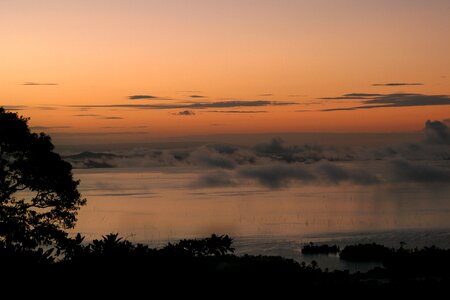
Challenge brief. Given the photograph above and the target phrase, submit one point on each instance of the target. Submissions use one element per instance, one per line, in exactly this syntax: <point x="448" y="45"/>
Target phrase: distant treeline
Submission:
<point x="428" y="261"/>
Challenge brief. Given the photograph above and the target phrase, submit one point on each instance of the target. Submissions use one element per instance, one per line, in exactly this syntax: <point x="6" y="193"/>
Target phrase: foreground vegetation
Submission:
<point x="210" y="264"/>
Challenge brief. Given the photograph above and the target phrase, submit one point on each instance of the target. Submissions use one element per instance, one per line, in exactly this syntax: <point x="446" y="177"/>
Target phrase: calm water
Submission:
<point x="155" y="206"/>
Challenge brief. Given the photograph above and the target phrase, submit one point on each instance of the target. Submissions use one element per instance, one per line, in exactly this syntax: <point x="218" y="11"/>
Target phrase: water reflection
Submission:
<point x="150" y="205"/>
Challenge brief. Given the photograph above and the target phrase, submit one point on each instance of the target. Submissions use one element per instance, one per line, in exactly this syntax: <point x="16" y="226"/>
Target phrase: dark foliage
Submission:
<point x="366" y="252"/>
<point x="38" y="195"/>
<point x="429" y="261"/>
<point x="17" y="256"/>
<point x="212" y="246"/>
<point x="207" y="266"/>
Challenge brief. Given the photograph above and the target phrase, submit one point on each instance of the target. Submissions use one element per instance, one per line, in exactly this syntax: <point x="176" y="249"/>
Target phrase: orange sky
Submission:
<point x="101" y="52"/>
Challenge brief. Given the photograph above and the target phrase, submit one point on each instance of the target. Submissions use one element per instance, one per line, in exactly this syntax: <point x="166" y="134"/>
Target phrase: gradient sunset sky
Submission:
<point x="178" y="67"/>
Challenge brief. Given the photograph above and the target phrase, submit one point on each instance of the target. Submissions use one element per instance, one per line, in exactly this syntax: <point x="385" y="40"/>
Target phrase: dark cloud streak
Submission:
<point x="18" y="107"/>
<point x="142" y="97"/>
<point x="238" y="111"/>
<point x="344" y="98"/>
<point x="112" y="118"/>
<point x="196" y="105"/>
<point x="185" y="113"/>
<point x="37" y="128"/>
<point x="99" y="116"/>
<point x="39" y="83"/>
<point x="362" y="95"/>
<point x="353" y="96"/>
<point x="397" y="84"/>
<point x="398" y="100"/>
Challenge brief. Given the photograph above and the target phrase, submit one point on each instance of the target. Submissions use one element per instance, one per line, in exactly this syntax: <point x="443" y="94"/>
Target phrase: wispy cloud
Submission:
<point x="266" y="95"/>
<point x="276" y="176"/>
<point x="86" y="115"/>
<point x="185" y="113"/>
<point x="39" y="83"/>
<point x="437" y="132"/>
<point x="141" y="97"/>
<point x="362" y="95"/>
<point x="215" y="179"/>
<point x="397" y="84"/>
<point x="45" y="107"/>
<point x="116" y="127"/>
<point x="37" y="128"/>
<point x="197" y="96"/>
<point x="22" y="107"/>
<point x="99" y="116"/>
<point x="15" y="107"/>
<point x="276" y="164"/>
<point x="112" y="118"/>
<point x="238" y="111"/>
<point x="196" y="105"/>
<point x="279" y="175"/>
<point x="352" y="96"/>
<point x="404" y="170"/>
<point x="398" y="100"/>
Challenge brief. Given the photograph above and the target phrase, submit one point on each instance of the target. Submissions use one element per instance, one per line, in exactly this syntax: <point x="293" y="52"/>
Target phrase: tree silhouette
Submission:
<point x="39" y="199"/>
<point x="216" y="245"/>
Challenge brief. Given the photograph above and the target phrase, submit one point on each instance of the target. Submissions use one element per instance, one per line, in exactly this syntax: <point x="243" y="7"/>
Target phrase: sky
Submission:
<point x="366" y="84"/>
<point x="166" y="68"/>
